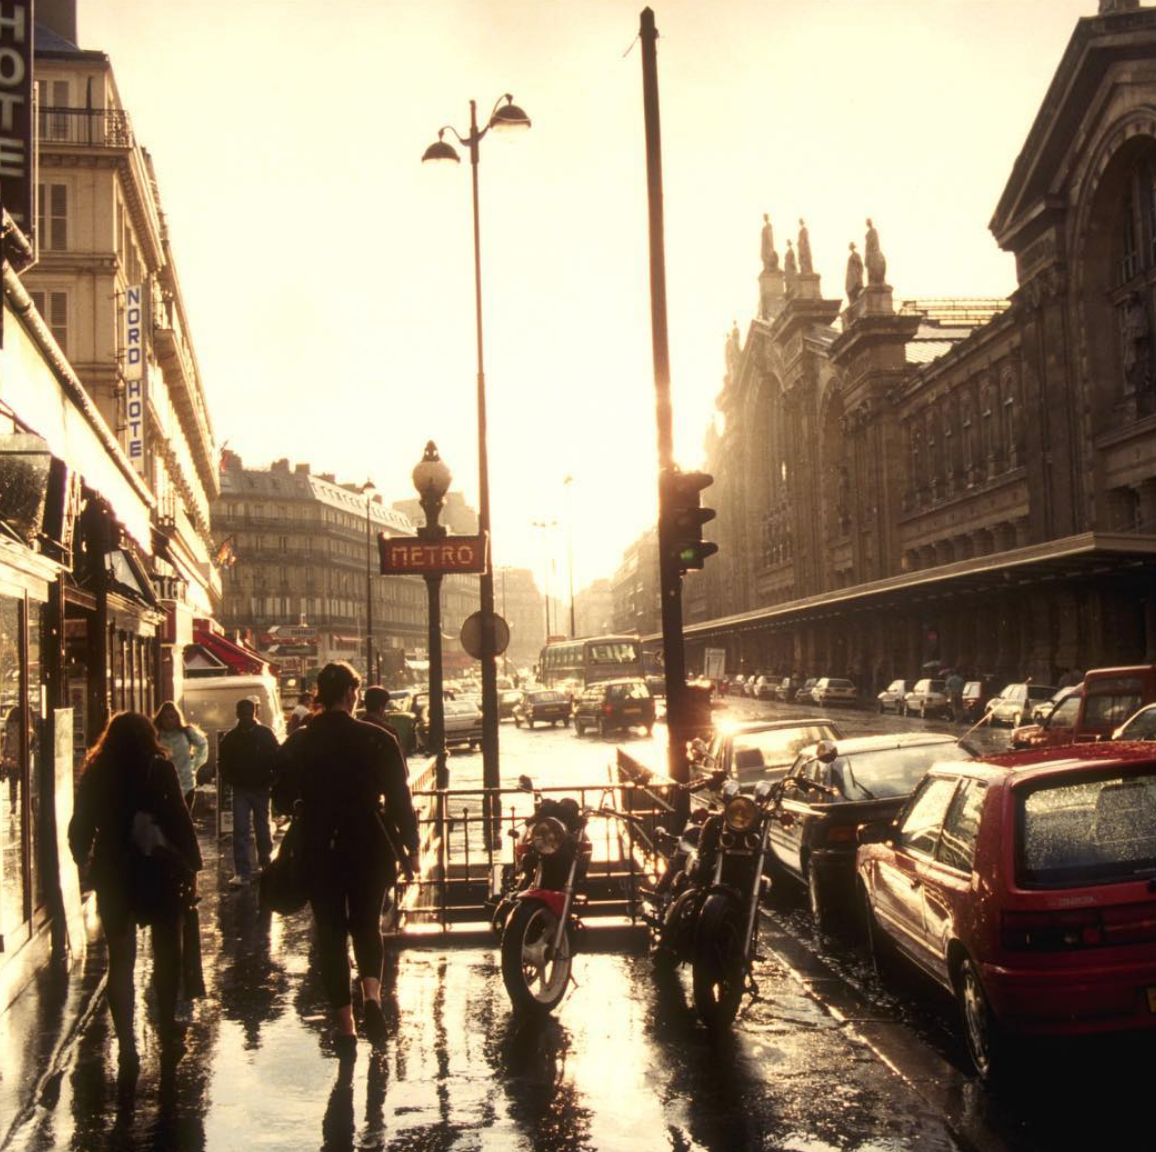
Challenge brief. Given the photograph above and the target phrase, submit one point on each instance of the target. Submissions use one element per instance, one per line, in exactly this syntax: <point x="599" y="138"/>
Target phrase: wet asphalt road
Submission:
<point x="829" y="1058"/>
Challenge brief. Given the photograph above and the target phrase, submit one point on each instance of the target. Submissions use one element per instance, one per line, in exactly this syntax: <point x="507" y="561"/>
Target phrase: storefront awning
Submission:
<point x="239" y="661"/>
<point x="40" y="387"/>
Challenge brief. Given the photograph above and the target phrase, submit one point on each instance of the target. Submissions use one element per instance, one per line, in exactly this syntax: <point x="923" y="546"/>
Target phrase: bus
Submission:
<point x="590" y="660"/>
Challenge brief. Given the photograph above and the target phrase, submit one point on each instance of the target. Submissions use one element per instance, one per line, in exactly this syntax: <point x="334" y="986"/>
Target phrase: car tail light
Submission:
<point x="607" y="708"/>
<point x="841" y="834"/>
<point x="1051" y="931"/>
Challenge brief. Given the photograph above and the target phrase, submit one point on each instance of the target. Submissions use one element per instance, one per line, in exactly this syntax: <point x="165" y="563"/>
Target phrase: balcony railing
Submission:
<point x="93" y="127"/>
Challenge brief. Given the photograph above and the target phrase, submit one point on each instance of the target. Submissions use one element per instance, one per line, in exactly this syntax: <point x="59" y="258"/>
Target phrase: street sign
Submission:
<point x="472" y="635"/>
<point x="714" y="663"/>
<point x="408" y="556"/>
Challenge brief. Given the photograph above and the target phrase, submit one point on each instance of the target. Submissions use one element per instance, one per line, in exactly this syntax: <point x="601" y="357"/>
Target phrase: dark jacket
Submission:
<point x="247" y="756"/>
<point x="351" y="780"/>
<point x="106" y="799"/>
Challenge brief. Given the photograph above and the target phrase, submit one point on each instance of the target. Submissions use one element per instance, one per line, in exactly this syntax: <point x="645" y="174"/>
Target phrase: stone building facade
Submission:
<point x="106" y="285"/>
<point x="635" y="589"/>
<point x="972" y="482"/>
<point x="298" y="547"/>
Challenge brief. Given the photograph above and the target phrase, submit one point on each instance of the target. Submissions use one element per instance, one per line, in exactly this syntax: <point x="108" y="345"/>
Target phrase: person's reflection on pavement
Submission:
<point x="251" y="985"/>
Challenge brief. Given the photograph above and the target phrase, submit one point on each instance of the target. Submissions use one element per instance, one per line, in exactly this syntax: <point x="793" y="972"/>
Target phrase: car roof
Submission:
<point x="1034" y="763"/>
<point x="890" y="740"/>
<point x="775" y="725"/>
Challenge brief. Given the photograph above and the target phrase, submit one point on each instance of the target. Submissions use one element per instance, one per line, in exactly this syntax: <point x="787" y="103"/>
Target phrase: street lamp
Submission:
<point x="567" y="482"/>
<point x="432" y="479"/>
<point x="368" y="489"/>
<point x="510" y="118"/>
<point x="546" y="525"/>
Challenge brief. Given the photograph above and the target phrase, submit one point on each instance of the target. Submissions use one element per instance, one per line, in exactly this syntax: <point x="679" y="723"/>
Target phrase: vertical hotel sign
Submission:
<point x="17" y="147"/>
<point x="134" y="376"/>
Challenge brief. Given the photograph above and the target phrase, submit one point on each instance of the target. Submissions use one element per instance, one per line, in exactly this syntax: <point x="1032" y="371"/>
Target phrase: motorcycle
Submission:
<point x="704" y="911"/>
<point x="534" y="900"/>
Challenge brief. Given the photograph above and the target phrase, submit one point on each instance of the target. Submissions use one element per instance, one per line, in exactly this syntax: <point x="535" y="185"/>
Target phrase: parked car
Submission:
<point x="832" y="788"/>
<point x="764" y="688"/>
<point x="764" y="749"/>
<point x="787" y="687"/>
<point x="463" y="723"/>
<point x="1107" y="697"/>
<point x="1040" y="711"/>
<point x="1141" y="726"/>
<point x="542" y="706"/>
<point x="1016" y="701"/>
<point x="507" y="701"/>
<point x="1022" y="883"/>
<point x="976" y="694"/>
<point x="614" y="705"/>
<point x="830" y="690"/>
<point x="892" y="696"/>
<point x="927" y="698"/>
<point x="803" y="696"/>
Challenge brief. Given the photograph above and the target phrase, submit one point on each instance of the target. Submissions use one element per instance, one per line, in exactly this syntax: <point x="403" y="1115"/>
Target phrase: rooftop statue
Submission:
<point x="854" y="281"/>
<point x="873" y="255"/>
<point x="805" y="265"/>
<point x="733" y="348"/>
<point x="770" y="256"/>
<point x="790" y="264"/>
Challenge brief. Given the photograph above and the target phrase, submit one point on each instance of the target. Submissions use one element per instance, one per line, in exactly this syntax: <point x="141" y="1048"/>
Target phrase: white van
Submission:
<point x="210" y="702"/>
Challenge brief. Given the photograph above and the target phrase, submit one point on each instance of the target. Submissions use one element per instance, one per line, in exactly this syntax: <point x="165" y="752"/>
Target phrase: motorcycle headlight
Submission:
<point x="548" y="836"/>
<point x="741" y="814"/>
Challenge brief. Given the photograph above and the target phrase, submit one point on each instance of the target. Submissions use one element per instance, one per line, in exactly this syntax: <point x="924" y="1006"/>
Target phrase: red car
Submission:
<point x="1025" y="884"/>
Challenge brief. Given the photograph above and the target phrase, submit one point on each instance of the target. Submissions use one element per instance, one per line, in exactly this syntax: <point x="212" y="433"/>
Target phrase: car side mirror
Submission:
<point x="878" y="832"/>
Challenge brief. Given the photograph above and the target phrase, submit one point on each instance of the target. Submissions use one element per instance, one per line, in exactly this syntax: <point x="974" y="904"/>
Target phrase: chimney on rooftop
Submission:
<point x="281" y="465"/>
<point x="329" y="477"/>
<point x="302" y="469"/>
<point x="60" y="17"/>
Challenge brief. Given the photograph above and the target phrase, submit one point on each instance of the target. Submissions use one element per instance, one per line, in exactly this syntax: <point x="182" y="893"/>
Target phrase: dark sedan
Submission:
<point x="542" y="706"/>
<point x="831" y="789"/>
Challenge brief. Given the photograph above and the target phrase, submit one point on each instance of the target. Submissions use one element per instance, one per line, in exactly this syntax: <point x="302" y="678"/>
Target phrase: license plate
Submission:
<point x="632" y="711"/>
<point x="1152" y="997"/>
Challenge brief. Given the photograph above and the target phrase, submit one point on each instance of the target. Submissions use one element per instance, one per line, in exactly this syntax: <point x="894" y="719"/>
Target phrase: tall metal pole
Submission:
<point x="434" y="532"/>
<point x="491" y="771"/>
<point x="669" y="579"/>
<point x="369" y="678"/>
<point x="570" y="548"/>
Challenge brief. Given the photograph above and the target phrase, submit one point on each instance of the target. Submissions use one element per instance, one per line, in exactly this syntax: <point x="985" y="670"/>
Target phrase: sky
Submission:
<point x="328" y="274"/>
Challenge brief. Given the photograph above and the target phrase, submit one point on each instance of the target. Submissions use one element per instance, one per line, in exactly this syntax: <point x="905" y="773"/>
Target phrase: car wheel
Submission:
<point x="1017" y="720"/>
<point x="473" y="745"/>
<point x="517" y="722"/>
<point x="987" y="1044"/>
<point x="530" y="722"/>
<point x="579" y="728"/>
<point x="882" y="707"/>
<point x="603" y="728"/>
<point x="566" y="722"/>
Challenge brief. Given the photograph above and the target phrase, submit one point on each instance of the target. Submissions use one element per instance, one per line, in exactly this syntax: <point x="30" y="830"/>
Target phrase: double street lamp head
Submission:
<point x="505" y="119"/>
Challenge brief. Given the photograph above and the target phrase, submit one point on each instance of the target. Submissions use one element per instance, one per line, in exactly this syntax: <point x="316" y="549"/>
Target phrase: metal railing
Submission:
<point x="459" y="860"/>
<point x="96" y="127"/>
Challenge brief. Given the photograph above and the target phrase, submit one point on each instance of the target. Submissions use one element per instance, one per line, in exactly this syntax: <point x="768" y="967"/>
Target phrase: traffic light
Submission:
<point x="686" y="518"/>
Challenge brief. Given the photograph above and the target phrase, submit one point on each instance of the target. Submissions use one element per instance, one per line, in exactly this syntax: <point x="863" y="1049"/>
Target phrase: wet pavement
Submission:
<point x="828" y="1059"/>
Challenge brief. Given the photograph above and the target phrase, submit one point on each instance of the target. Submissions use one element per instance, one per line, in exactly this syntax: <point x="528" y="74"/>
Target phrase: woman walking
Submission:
<point x="185" y="744"/>
<point x="344" y="771"/>
<point x="132" y="820"/>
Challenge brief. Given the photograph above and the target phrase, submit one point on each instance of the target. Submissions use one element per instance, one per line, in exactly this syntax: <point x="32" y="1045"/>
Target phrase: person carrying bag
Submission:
<point x="132" y="829"/>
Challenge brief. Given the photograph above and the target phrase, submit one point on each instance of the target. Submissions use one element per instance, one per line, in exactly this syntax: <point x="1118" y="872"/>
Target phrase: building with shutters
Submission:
<point x="107" y="287"/>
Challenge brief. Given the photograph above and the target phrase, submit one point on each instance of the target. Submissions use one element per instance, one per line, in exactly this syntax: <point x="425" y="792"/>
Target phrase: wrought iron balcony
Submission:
<point x="88" y="127"/>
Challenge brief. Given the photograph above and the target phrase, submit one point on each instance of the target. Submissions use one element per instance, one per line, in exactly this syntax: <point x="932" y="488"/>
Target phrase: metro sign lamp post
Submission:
<point x="505" y="118"/>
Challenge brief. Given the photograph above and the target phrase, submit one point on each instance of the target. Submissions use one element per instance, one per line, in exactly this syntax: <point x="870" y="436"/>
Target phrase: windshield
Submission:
<point x="459" y="708"/>
<point x="1040" y="692"/>
<point x="620" y="652"/>
<point x="1142" y="726"/>
<point x="886" y="772"/>
<point x="1093" y="832"/>
<point x="755" y="752"/>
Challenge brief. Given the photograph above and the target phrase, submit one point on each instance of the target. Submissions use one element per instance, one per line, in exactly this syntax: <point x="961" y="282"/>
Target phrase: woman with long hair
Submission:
<point x="185" y="744"/>
<point x="129" y="782"/>
<point x="351" y="780"/>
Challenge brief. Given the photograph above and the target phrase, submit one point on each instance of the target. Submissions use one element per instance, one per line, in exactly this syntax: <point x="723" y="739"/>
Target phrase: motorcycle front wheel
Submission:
<point x="534" y="974"/>
<point x="717" y="968"/>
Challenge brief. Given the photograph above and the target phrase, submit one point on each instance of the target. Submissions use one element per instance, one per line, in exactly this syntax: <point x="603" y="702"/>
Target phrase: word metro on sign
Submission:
<point x="408" y="556"/>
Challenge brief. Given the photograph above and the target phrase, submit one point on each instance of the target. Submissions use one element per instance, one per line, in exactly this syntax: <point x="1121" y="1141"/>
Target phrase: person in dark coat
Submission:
<point x="246" y="761"/>
<point x="126" y="774"/>
<point x="350" y="777"/>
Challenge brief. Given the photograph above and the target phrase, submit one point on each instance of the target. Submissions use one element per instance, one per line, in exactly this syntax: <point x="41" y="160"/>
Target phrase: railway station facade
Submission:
<point x="970" y="482"/>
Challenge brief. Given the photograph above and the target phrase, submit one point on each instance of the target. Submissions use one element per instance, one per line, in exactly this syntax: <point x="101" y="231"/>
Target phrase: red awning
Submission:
<point x="240" y="661"/>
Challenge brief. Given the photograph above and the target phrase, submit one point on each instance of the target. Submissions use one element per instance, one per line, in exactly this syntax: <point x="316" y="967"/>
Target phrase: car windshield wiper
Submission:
<point x="868" y="794"/>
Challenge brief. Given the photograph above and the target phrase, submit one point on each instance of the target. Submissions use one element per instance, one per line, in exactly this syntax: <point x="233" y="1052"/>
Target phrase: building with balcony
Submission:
<point x="106" y="285"/>
<point x="972" y="482"/>
<point x="519" y="601"/>
<point x="300" y="555"/>
<point x="636" y="590"/>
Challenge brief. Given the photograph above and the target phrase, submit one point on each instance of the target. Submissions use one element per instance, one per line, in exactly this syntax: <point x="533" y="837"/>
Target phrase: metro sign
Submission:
<point x="408" y="556"/>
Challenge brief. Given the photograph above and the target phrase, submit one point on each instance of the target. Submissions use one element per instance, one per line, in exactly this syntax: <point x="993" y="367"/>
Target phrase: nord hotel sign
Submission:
<point x="407" y="556"/>
<point x="16" y="147"/>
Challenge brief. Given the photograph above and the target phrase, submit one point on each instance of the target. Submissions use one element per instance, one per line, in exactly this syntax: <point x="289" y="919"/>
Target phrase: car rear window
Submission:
<point x="840" y="684"/>
<point x="627" y="692"/>
<point x="1098" y="830"/>
<point x="547" y="697"/>
<point x="889" y="771"/>
<point x="755" y="752"/>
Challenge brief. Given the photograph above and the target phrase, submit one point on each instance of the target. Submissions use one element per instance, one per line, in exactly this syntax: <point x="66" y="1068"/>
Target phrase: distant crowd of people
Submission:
<point x="341" y="774"/>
